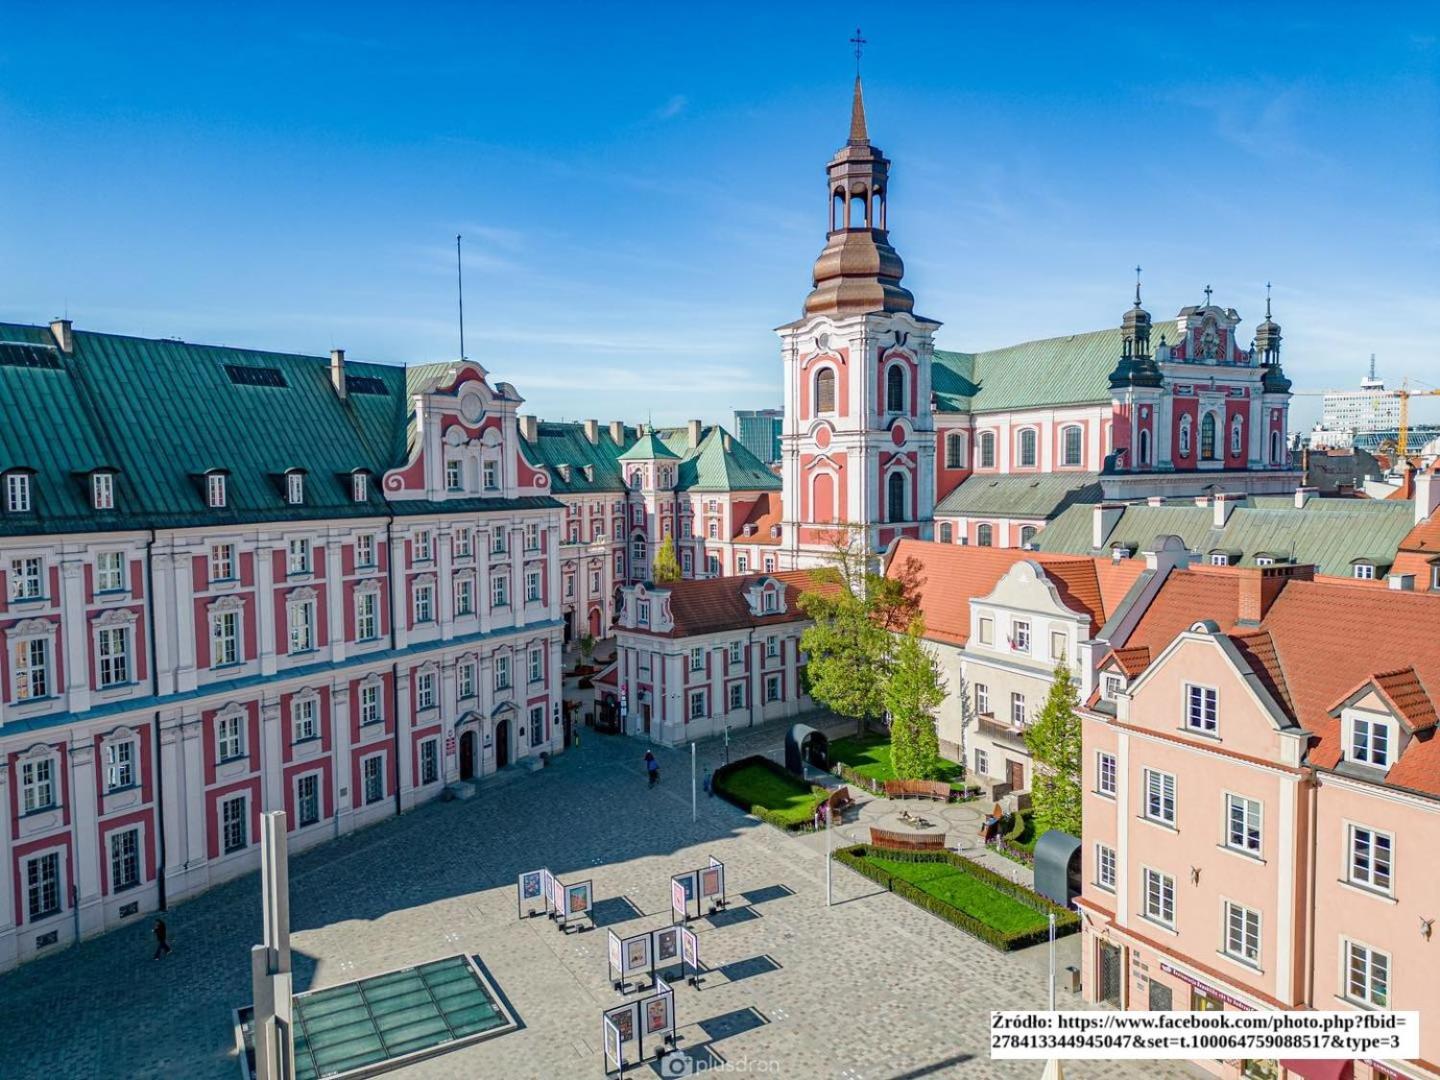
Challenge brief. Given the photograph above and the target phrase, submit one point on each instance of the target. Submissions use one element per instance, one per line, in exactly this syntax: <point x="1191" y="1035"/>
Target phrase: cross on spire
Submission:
<point x="859" y="43"/>
<point x="1208" y="291"/>
<point x="1267" y="300"/>
<point x="1137" y="284"/>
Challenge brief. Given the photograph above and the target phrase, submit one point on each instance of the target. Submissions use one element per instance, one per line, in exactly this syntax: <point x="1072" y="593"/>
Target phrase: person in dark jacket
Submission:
<point x="162" y="946"/>
<point x="652" y="766"/>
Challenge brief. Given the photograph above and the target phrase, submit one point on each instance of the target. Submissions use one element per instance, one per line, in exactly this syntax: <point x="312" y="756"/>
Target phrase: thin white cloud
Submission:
<point x="672" y="108"/>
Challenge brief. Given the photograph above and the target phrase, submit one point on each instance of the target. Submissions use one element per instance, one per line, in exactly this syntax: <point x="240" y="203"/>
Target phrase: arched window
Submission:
<point x="825" y="390"/>
<point x="895" y="497"/>
<point x="954" y="450"/>
<point x="638" y="557"/>
<point x="1207" y="437"/>
<point x="1274" y="447"/>
<point x="895" y="388"/>
<point x="1027" y="535"/>
<point x="1144" y="457"/>
<point x="636" y="479"/>
<point x="859" y="211"/>
<point x="1185" y="436"/>
<point x="947" y="532"/>
<point x="837" y="210"/>
<point x="1027" y="448"/>
<point x="984" y="536"/>
<point x="877" y="209"/>
<point x="1070" y="445"/>
<point x="1237" y="436"/>
<point x="987" y="449"/>
<point x="665" y="477"/>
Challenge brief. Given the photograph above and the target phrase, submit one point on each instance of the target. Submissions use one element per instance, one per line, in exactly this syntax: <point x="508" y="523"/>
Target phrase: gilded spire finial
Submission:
<point x="1267" y="300"/>
<point x="1137" y="284"/>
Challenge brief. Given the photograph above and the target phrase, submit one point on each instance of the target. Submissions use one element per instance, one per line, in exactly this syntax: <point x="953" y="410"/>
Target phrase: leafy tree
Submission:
<point x="1054" y="742"/>
<point x="854" y="615"/>
<point x="666" y="568"/>
<point x="913" y="692"/>
<point x="587" y="647"/>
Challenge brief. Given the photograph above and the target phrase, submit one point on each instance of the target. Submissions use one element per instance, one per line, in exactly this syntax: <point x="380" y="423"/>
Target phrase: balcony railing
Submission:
<point x="1011" y="734"/>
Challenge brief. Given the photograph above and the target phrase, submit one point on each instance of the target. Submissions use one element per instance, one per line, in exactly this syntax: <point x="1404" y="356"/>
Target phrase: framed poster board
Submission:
<point x="529" y="888"/>
<point x="626" y="1019"/>
<point x="665" y="949"/>
<point x="547" y="886"/>
<point x="635" y="954"/>
<point x="616" y="956"/>
<point x="712" y="882"/>
<point x="577" y="900"/>
<point x="679" y="905"/>
<point x="557" y="897"/>
<point x="612" y="1044"/>
<point x="690" y="950"/>
<point x="658" y="1013"/>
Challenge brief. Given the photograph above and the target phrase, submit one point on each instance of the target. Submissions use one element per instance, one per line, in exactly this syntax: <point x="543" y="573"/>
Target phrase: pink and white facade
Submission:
<point x="160" y="687"/>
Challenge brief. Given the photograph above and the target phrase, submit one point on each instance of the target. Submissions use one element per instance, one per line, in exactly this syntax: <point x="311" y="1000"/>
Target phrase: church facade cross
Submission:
<point x="1208" y="291"/>
<point x="859" y="43"/>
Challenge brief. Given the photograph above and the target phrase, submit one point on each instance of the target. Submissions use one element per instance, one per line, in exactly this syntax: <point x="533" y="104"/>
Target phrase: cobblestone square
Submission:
<point x="869" y="989"/>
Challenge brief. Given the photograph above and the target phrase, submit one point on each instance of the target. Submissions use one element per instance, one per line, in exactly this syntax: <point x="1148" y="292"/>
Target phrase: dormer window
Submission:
<point x="215" y="490"/>
<point x="1363" y="571"/>
<point x="1219" y="558"/>
<point x="295" y="488"/>
<point x="359" y="487"/>
<point x="642" y="613"/>
<point x="102" y="491"/>
<point x="1370" y="742"/>
<point x="769" y="602"/>
<point x="1264" y="560"/>
<point x="17" y="492"/>
<point x="1111" y="685"/>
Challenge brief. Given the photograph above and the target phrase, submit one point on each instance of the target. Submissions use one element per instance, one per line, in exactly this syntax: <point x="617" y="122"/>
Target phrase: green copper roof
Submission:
<point x="1073" y="370"/>
<point x="578" y="466"/>
<point x="1326" y="533"/>
<point x="1024" y="496"/>
<point x="164" y="412"/>
<point x="648" y="448"/>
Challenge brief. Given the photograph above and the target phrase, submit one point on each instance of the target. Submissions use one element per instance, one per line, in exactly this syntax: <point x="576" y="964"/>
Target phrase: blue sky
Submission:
<point x="641" y="189"/>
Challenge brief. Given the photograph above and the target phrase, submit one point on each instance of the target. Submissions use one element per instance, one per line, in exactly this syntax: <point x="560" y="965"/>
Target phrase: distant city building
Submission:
<point x="1370" y="409"/>
<point x="759" y="432"/>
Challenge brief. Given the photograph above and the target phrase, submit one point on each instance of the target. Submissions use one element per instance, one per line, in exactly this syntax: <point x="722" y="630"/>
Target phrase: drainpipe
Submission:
<point x="155" y="756"/>
<point x="1313" y="782"/>
<point x="394" y="664"/>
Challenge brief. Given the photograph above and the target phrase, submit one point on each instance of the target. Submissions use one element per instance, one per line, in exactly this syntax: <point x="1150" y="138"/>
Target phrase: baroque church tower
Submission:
<point x="858" y="443"/>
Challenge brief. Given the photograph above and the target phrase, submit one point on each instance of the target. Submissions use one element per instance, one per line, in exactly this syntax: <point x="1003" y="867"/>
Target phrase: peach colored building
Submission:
<point x="1262" y="804"/>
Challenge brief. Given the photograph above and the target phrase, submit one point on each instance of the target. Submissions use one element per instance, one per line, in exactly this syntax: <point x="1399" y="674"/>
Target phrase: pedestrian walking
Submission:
<point x="652" y="767"/>
<point x="162" y="946"/>
<point x="708" y="790"/>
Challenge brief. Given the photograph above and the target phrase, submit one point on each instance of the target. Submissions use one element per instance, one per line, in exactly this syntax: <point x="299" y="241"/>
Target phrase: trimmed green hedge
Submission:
<point x="735" y="784"/>
<point x="1066" y="921"/>
<point x="1018" y="845"/>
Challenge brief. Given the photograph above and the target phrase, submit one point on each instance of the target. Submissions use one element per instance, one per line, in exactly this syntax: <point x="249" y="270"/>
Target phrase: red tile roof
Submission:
<point x="1187" y="597"/>
<point x="948" y="576"/>
<point x="1403" y="692"/>
<point x="1258" y="649"/>
<point x="764" y="515"/>
<point x="713" y="605"/>
<point x="1131" y="659"/>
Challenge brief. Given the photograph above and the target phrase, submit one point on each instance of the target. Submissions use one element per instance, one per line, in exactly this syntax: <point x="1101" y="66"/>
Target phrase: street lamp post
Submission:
<point x="829" y="859"/>
<point x="1052" y="961"/>
<point x="695" y="805"/>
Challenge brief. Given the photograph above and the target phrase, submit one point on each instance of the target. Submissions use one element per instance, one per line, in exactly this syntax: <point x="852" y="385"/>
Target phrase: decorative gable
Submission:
<point x="766" y="598"/>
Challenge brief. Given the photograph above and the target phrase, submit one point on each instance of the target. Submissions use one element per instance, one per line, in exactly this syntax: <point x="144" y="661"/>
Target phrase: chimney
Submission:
<point x="337" y="373"/>
<point x="1155" y="500"/>
<point x="1224" y="505"/>
<point x="1202" y="500"/>
<point x="529" y="428"/>
<point x="728" y="443"/>
<point x="1260" y="585"/>
<point x="1427" y="495"/>
<point x="592" y="431"/>
<point x="1103" y="519"/>
<point x="617" y="432"/>
<point x="1303" y="495"/>
<point x="64" y="339"/>
<point x="695" y="428"/>
<point x="1401" y="582"/>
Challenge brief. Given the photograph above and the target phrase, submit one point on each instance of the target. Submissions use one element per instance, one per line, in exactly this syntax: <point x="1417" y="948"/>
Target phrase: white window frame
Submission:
<point x="697" y="658"/>
<point x="490" y="472"/>
<point x="114" y="664"/>
<point x="1020" y="635"/>
<point x="371" y="709"/>
<point x="102" y="491"/>
<point x="298" y="556"/>
<point x="737" y="653"/>
<point x="222" y="562"/>
<point x="465" y="680"/>
<point x="240" y="823"/>
<point x="1106" y="774"/>
<point x="17" y="492"/>
<point x="1018" y="715"/>
<point x="1244" y="824"/>
<point x="424" y="602"/>
<point x="502" y="672"/>
<point x="123" y="848"/>
<point x="120" y="759"/>
<point x="1242" y="934"/>
<point x="736" y="693"/>
<point x="367" y="614"/>
<point x="226" y="638"/>
<point x="696" y="710"/>
<point x="1363" y="571"/>
<point x="295" y="488"/>
<point x="372" y="772"/>
<point x="230" y="736"/>
<point x="464" y="595"/>
<point x="1202" y="709"/>
<point x="772" y="647"/>
<point x="215" y="494"/>
<point x="109" y="571"/>
<point x="304" y="718"/>
<point x="424" y="690"/>
<point x="1105" y="867"/>
<point x="532" y="536"/>
<point x="1365" y="870"/>
<point x="463" y="543"/>
<point x="982" y="699"/>
<point x="53" y="882"/>
<point x="773" y="688"/>
<point x="300" y="626"/>
<point x="1368" y="750"/>
<point x="359" y="487"/>
<point x="27" y="578"/>
<point x="1370" y="962"/>
<point x="454" y="475"/>
<point x="499" y="591"/>
<point x="32" y="650"/>
<point x="1160" y="788"/>
<point x="302" y="799"/>
<point x="537" y="665"/>
<point x="532" y="586"/>
<point x="429" y="762"/>
<point x="1065" y="456"/>
<point x="39" y="783"/>
<point x="1159" y="888"/>
<point x="982" y="761"/>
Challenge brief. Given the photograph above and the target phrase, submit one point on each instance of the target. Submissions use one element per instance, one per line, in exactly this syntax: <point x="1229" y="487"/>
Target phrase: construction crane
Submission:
<point x="1404" y="393"/>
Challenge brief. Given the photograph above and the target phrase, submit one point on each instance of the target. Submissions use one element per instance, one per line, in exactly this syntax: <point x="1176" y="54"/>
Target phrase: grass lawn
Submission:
<point x="791" y="802"/>
<point x="869" y="755"/>
<point x="968" y="893"/>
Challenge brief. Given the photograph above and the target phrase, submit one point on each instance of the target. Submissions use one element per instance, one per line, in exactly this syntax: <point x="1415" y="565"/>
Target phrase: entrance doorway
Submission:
<point x="645" y="717"/>
<point x="569" y="626"/>
<point x="1014" y="774"/>
<point x="595" y="623"/>
<point x="1110" y="974"/>
<point x="502" y="743"/>
<point x="467" y="755"/>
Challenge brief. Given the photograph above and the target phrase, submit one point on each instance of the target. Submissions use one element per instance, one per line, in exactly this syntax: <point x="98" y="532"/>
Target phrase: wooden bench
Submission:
<point x="882" y="838"/>
<point x="917" y="789"/>
<point x="840" y="799"/>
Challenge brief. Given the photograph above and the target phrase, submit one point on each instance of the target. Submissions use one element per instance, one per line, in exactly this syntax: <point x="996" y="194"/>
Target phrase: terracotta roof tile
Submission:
<point x="1258" y="649"/>
<point x="1132" y="659"/>
<point x="1186" y="597"/>
<point x="712" y="605"/>
<point x="764" y="515"/>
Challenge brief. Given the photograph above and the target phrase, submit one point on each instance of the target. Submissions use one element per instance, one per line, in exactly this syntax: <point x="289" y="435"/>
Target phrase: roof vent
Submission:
<point x="23" y="354"/>
<point x="337" y="373"/>
<point x="366" y="384"/>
